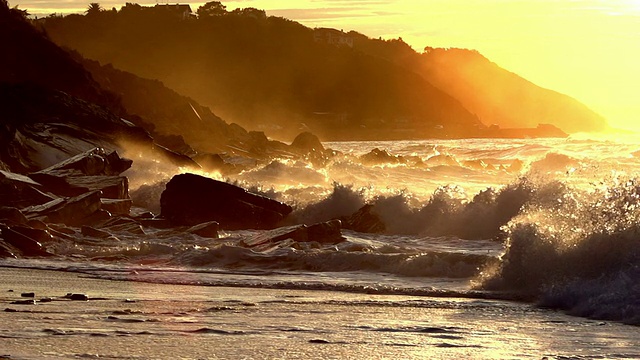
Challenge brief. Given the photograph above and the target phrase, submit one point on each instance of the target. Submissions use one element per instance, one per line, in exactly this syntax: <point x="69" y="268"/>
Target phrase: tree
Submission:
<point x="250" y="12"/>
<point x="212" y="8"/>
<point x="93" y="9"/>
<point x="131" y="8"/>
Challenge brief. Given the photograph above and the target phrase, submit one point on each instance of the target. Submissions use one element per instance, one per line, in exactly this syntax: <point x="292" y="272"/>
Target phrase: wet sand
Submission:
<point x="133" y="320"/>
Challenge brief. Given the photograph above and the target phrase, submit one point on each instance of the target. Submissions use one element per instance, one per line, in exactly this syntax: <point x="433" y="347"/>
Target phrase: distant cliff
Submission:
<point x="501" y="97"/>
<point x="497" y="96"/>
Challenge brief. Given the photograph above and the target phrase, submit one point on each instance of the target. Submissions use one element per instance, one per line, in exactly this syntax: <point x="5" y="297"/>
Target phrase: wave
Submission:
<point x="580" y="253"/>
<point x="345" y="257"/>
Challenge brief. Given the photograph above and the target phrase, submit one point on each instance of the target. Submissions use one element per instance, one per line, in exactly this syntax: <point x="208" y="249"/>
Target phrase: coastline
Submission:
<point x="134" y="320"/>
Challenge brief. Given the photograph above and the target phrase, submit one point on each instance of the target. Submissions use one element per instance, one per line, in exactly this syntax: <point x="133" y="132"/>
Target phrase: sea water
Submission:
<point x="548" y="223"/>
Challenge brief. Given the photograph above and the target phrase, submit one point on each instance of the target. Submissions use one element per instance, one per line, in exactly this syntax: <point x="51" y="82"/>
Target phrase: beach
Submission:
<point x="134" y="320"/>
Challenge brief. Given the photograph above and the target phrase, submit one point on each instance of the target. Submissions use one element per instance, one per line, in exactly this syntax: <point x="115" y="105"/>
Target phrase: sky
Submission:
<point x="588" y="49"/>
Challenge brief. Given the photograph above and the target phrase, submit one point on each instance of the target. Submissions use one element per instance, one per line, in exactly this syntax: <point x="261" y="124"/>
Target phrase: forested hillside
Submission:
<point x="280" y="77"/>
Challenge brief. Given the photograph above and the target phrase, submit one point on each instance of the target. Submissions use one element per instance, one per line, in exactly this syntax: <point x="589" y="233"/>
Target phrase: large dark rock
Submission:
<point x="191" y="199"/>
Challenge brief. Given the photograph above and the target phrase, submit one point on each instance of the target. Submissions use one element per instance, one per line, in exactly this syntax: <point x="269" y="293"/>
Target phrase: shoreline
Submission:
<point x="136" y="320"/>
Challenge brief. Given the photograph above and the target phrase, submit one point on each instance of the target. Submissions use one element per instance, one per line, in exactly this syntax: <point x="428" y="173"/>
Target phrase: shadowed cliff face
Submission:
<point x="269" y="74"/>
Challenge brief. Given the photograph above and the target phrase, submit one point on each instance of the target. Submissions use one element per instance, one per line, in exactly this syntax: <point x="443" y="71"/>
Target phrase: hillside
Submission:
<point x="55" y="104"/>
<point x="501" y="97"/>
<point x="268" y="73"/>
<point x="496" y="95"/>
<point x="275" y="75"/>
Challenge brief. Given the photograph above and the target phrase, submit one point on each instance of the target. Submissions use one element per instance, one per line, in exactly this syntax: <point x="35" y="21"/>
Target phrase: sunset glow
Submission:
<point x="588" y="49"/>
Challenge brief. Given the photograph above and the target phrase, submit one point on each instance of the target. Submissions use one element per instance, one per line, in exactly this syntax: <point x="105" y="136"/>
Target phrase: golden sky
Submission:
<point x="588" y="49"/>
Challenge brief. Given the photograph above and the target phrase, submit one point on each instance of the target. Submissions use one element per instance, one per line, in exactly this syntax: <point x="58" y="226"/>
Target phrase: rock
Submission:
<point x="307" y="142"/>
<point x="6" y="250"/>
<point x="175" y="158"/>
<point x="29" y="294"/>
<point x="76" y="211"/>
<point x="206" y="230"/>
<point x="377" y="157"/>
<point x="132" y="228"/>
<point x="116" y="206"/>
<point x="365" y="220"/>
<point x="112" y="187"/>
<point x="76" y="297"/>
<point x="24" y="244"/>
<point x="12" y="215"/>
<point x="191" y="199"/>
<point x="157" y="223"/>
<point x="94" y="162"/>
<point x="20" y="191"/>
<point x="93" y="232"/>
<point x="327" y="233"/>
<point x="39" y="235"/>
<point x="23" y="302"/>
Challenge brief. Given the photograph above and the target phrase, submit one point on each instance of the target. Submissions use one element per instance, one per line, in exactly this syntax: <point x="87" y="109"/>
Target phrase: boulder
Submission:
<point x="191" y="199"/>
<point x="307" y="142"/>
<point x="365" y="220"/>
<point x="39" y="235"/>
<point x="327" y="233"/>
<point x="116" y="206"/>
<point x="206" y="230"/>
<point x="378" y="157"/>
<point x="74" y="211"/>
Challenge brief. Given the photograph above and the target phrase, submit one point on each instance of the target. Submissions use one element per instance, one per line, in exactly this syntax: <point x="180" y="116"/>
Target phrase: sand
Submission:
<point x="133" y="320"/>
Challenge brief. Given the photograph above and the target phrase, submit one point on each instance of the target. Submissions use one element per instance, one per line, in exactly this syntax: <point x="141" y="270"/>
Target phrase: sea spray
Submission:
<point x="579" y="252"/>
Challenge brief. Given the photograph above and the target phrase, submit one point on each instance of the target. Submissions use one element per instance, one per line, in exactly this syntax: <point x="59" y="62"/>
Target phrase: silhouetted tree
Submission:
<point x="250" y="12"/>
<point x="212" y="8"/>
<point x="94" y="9"/>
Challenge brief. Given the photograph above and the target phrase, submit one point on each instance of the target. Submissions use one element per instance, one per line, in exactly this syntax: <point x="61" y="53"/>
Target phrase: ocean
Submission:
<point x="525" y="248"/>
